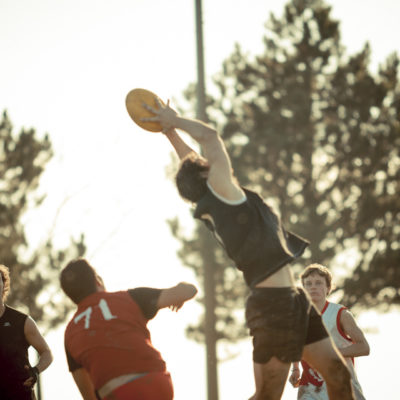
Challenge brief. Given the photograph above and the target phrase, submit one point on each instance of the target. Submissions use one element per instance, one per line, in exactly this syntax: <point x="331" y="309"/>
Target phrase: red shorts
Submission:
<point x="152" y="386"/>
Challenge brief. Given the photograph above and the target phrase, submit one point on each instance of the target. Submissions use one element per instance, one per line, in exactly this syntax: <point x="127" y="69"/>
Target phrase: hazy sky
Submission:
<point x="66" y="67"/>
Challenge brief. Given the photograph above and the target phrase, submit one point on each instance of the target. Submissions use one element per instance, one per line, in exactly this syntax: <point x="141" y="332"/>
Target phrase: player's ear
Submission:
<point x="100" y="282"/>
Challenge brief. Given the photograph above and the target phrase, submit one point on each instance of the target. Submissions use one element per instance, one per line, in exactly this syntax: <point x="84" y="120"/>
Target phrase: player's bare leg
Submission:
<point x="324" y="357"/>
<point x="270" y="379"/>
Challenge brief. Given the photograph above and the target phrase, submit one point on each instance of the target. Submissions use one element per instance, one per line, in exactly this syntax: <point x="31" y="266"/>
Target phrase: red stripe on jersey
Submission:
<point x="340" y="330"/>
<point x="339" y="327"/>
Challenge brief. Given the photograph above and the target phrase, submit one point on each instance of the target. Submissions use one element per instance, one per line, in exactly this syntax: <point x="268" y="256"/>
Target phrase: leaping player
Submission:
<point x="284" y="325"/>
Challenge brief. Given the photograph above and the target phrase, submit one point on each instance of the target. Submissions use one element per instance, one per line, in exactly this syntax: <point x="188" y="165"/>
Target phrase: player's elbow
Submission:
<point x="363" y="349"/>
<point x="209" y="136"/>
<point x="366" y="349"/>
<point x="51" y="357"/>
<point x="46" y="358"/>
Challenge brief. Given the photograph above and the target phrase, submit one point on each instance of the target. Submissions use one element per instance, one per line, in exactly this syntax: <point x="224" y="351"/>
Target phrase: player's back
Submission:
<point x="108" y="336"/>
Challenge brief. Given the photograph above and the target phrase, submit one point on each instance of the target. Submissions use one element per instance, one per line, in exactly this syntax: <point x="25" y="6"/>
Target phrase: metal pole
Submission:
<point x="201" y="87"/>
<point x="39" y="389"/>
<point x="210" y="317"/>
<point x="209" y="279"/>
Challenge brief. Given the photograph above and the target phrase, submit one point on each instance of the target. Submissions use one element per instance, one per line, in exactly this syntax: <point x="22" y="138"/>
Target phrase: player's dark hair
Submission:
<point x="78" y="280"/>
<point x="191" y="179"/>
<point x="5" y="275"/>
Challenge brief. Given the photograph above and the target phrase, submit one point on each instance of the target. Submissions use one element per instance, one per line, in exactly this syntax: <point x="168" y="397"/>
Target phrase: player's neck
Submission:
<point x="2" y="308"/>
<point x="320" y="304"/>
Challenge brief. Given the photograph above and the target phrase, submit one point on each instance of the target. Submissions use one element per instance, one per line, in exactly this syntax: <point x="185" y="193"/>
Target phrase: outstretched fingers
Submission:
<point x="163" y="114"/>
<point x="150" y="119"/>
<point x="152" y="110"/>
<point x="159" y="104"/>
<point x="176" y="307"/>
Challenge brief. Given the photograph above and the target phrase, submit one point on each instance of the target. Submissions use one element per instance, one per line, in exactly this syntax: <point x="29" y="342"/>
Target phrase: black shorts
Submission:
<point x="281" y="322"/>
<point x="6" y="394"/>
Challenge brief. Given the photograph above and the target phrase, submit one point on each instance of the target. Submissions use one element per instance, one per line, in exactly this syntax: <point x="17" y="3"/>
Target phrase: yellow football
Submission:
<point x="134" y="105"/>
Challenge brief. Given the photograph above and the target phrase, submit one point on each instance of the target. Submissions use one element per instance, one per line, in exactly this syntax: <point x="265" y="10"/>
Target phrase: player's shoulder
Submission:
<point x="119" y="293"/>
<point x="336" y="306"/>
<point x="14" y="314"/>
<point x="255" y="199"/>
<point x="334" y="311"/>
<point x="231" y="194"/>
<point x="14" y="311"/>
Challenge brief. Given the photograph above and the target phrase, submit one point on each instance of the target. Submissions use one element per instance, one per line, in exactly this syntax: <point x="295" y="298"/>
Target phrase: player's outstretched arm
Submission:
<point x="176" y="296"/>
<point x="180" y="146"/>
<point x="204" y="134"/>
<point x="220" y="174"/>
<point x="169" y="119"/>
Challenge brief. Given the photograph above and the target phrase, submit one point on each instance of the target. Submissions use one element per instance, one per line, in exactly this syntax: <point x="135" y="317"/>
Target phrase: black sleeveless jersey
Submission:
<point x="252" y="235"/>
<point x="13" y="355"/>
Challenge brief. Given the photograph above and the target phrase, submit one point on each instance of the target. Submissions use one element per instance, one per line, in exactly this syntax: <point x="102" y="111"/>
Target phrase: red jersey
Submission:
<point x="108" y="336"/>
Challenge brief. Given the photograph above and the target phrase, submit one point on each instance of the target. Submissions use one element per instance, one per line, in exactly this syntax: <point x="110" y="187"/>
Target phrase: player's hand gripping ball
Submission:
<point x="134" y="104"/>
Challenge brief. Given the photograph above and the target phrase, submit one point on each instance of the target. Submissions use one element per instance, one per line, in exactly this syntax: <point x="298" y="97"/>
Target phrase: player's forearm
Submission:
<point x="355" y="350"/>
<point x="181" y="148"/>
<point x="198" y="130"/>
<point x="45" y="359"/>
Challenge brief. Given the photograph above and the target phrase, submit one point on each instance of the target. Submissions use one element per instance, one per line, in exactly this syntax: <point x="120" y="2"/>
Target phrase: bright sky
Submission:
<point x="66" y="67"/>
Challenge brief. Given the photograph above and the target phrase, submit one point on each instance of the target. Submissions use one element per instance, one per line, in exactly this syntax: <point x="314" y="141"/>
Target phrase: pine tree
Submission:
<point x="317" y="134"/>
<point x="34" y="278"/>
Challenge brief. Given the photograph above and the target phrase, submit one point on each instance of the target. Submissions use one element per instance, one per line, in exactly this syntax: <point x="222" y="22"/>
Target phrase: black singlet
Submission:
<point x="13" y="355"/>
<point x="252" y="235"/>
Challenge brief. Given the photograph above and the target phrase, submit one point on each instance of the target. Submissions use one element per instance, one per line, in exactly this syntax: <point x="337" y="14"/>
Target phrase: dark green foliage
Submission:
<point x="34" y="277"/>
<point x="317" y="134"/>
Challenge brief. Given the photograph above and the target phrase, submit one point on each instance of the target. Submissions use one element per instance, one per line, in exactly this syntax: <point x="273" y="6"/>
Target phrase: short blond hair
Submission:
<point x="321" y="271"/>
<point x="5" y="275"/>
